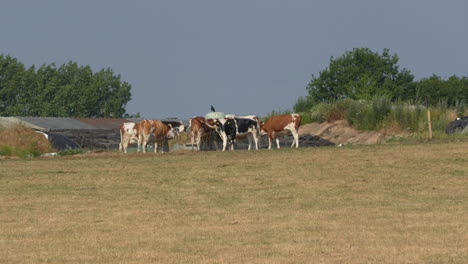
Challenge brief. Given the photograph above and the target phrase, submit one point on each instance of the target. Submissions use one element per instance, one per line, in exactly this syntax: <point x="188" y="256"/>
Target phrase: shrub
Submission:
<point x="303" y="104"/>
<point x="319" y="112"/>
<point x="380" y="112"/>
<point x="360" y="115"/>
<point x="275" y="112"/>
<point x="440" y="118"/>
<point x="338" y="110"/>
<point x="460" y="108"/>
<point x="353" y="114"/>
<point x="306" y="118"/>
<point x="369" y="115"/>
<point x="381" y="107"/>
<point x="409" y="117"/>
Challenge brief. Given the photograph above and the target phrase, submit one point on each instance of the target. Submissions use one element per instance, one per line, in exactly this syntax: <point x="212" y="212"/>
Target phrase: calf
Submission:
<point x="281" y="125"/>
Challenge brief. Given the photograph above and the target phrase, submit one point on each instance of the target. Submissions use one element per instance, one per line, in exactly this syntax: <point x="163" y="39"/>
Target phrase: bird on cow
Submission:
<point x="213" y="109"/>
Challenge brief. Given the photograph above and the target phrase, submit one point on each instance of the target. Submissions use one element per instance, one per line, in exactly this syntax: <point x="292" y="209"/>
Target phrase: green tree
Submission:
<point x="69" y="90"/>
<point x="112" y="93"/>
<point x="362" y="74"/>
<point x="435" y="89"/>
<point x="11" y="84"/>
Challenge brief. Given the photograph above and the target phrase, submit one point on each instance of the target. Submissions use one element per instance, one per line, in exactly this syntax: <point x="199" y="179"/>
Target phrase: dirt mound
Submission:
<point x="340" y="132"/>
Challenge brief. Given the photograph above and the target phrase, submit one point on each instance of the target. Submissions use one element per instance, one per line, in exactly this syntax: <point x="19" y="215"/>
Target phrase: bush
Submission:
<point x="338" y="110"/>
<point x="381" y="107"/>
<point x="306" y="118"/>
<point x="274" y="113"/>
<point x="460" y="108"/>
<point x="440" y="118"/>
<point x="319" y="112"/>
<point x="409" y="117"/>
<point x="380" y="112"/>
<point x="360" y="115"/>
<point x="303" y="104"/>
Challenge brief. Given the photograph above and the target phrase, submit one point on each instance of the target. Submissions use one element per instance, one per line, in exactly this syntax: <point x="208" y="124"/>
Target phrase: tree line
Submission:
<point x="362" y="74"/>
<point x="69" y="90"/>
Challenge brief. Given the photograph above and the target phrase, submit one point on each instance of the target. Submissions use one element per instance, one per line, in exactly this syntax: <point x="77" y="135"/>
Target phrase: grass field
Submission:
<point x="401" y="203"/>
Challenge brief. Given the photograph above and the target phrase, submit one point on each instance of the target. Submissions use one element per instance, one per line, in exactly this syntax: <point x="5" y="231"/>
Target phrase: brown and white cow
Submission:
<point x="282" y="125"/>
<point x="128" y="135"/>
<point x="154" y="131"/>
<point x="144" y="133"/>
<point x="201" y="131"/>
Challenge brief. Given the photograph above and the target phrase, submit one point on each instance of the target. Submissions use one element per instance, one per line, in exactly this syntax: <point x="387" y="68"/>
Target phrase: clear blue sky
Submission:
<point x="243" y="56"/>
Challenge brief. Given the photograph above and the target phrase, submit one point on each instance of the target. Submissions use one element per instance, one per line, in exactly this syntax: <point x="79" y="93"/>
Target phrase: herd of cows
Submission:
<point x="225" y="130"/>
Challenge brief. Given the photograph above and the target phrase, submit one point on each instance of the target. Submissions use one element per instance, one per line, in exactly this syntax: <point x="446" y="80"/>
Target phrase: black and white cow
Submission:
<point x="232" y="129"/>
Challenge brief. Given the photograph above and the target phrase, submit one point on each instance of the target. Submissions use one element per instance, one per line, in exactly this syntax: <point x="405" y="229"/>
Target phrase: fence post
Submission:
<point x="429" y="123"/>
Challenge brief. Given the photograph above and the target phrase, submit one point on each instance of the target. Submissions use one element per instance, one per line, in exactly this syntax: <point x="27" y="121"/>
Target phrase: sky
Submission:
<point x="242" y="57"/>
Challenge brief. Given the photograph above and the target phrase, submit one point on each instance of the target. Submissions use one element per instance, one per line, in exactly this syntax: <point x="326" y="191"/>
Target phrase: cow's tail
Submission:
<point x="152" y="130"/>
<point x="121" y="139"/>
<point x="189" y="127"/>
<point x="259" y="127"/>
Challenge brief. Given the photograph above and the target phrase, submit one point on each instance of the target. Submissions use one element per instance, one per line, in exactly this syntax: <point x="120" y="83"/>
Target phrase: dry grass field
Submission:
<point x="361" y="204"/>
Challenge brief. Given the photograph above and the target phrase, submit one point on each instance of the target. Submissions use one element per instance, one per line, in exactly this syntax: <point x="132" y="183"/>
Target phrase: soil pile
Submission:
<point x="340" y="132"/>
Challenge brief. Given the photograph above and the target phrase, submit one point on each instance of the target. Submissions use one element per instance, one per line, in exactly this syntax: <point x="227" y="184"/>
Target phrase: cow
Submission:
<point x="154" y="131"/>
<point x="128" y="135"/>
<point x="144" y="133"/>
<point x="200" y="131"/>
<point x="177" y="125"/>
<point x="281" y="125"/>
<point x="232" y="129"/>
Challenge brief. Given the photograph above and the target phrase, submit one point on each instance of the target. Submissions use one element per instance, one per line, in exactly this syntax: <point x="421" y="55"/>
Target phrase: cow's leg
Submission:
<point x="255" y="141"/>
<point x="139" y="142"/>
<point x="199" y="136"/>
<point x="146" y="140"/>
<point x="277" y="142"/>
<point x="270" y="138"/>
<point x="123" y="146"/>
<point x="163" y="145"/>
<point x="249" y="138"/>
<point x="192" y="138"/>
<point x="215" y="141"/>
<point x="296" y="138"/>
<point x="143" y="145"/>
<point x="224" y="143"/>
<point x="156" y="147"/>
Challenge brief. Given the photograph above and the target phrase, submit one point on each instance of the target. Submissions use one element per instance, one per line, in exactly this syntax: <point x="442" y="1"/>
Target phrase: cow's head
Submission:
<point x="218" y="126"/>
<point x="178" y="130"/>
<point x="172" y="132"/>
<point x="181" y="128"/>
<point x="262" y="129"/>
<point x="230" y="130"/>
